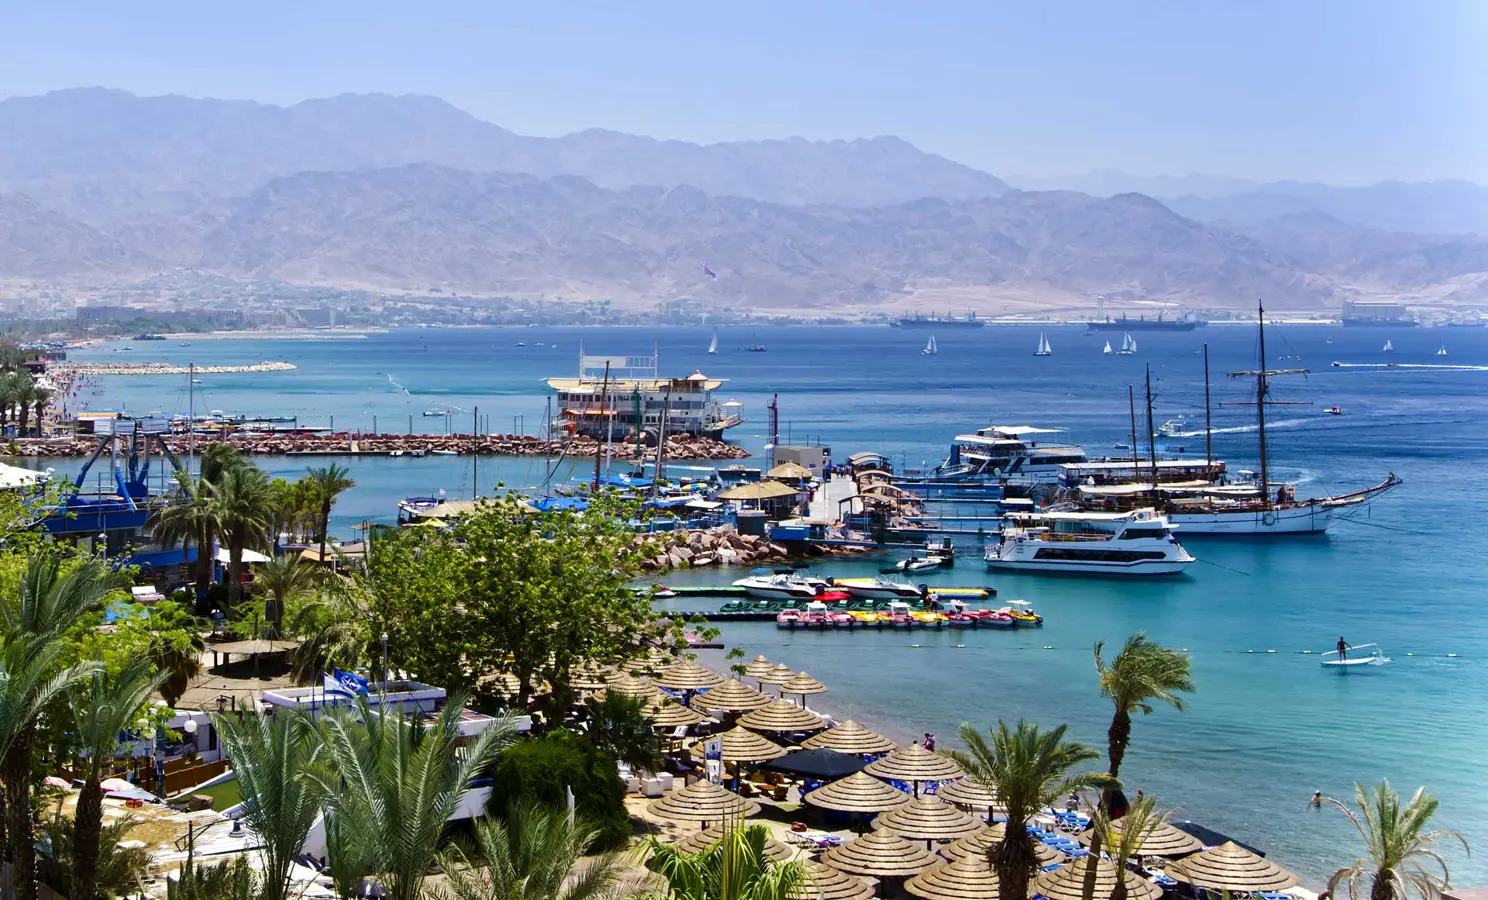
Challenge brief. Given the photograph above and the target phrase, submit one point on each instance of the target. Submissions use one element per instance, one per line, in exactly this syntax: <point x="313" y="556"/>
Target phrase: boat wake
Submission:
<point x="1243" y="429"/>
<point x="396" y="384"/>
<point x="1444" y="366"/>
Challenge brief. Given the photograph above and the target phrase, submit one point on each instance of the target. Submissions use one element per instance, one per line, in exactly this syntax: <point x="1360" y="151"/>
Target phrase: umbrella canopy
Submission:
<point x="669" y="714"/>
<point x="776" y="675"/>
<point x="880" y="854"/>
<point x="968" y="878"/>
<point x="915" y="763"/>
<point x="651" y="662"/>
<point x="758" y="666"/>
<point x="826" y="883"/>
<point x="1230" y="867"/>
<point x="801" y="683"/>
<point x="703" y="801"/>
<point x="789" y="471"/>
<point x="686" y="675"/>
<point x="741" y="746"/>
<point x="928" y="819"/>
<point x="255" y="646"/>
<point x="857" y="793"/>
<point x="968" y="792"/>
<point x="588" y="678"/>
<point x="631" y="686"/>
<point x="1068" y="882"/>
<point x="979" y="842"/>
<point x="732" y="696"/>
<point x="817" y="763"/>
<point x="1161" y="839"/>
<point x="850" y="737"/>
<point x="699" y="841"/>
<point x="781" y="715"/>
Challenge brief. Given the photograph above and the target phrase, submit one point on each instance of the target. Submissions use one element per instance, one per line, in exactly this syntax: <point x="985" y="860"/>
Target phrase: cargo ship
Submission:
<point x="968" y="321"/>
<point x="1142" y="323"/>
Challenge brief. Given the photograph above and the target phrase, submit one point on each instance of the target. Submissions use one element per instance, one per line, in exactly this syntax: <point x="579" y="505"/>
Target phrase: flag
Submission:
<point x="709" y="272"/>
<point x="713" y="760"/>
<point x="346" y="684"/>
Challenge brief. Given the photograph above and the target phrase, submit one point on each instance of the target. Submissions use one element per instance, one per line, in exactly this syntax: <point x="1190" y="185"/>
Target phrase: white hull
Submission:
<point x="1079" y="567"/>
<point x="1309" y="518"/>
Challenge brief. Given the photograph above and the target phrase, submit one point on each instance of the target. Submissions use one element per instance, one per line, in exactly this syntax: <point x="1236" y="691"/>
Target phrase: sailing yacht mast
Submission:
<point x="1262" y="387"/>
<point x="1208" y="422"/>
<point x="1151" y="435"/>
<point x="190" y="416"/>
<point x="1131" y="402"/>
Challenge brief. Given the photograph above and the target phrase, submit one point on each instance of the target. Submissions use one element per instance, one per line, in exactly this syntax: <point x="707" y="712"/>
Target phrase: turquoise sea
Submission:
<point x="1265" y="728"/>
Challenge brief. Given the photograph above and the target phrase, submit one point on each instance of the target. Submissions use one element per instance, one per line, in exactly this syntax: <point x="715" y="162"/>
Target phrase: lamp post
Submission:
<point x="384" y="660"/>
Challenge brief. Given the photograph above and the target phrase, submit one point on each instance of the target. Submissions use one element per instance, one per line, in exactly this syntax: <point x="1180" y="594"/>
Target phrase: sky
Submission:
<point x="1321" y="90"/>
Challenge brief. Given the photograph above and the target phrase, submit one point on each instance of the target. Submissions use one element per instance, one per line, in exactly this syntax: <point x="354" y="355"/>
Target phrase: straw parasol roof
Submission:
<point x="914" y="763"/>
<point x="669" y="714"/>
<point x="782" y="715"/>
<point x="741" y="746"/>
<point x="650" y="662"/>
<point x="758" y="666"/>
<point x="631" y="686"/>
<point x="588" y="678"/>
<point x="968" y="878"/>
<point x="789" y="470"/>
<point x="686" y="675"/>
<point x="880" y="854"/>
<point x="1161" y="839"/>
<point x="801" y="683"/>
<point x="732" y="696"/>
<point x="978" y="843"/>
<point x="702" y="801"/>
<point x="702" y="840"/>
<point x="759" y="490"/>
<point x="968" y="792"/>
<point x="1068" y="882"/>
<point x="1230" y="867"/>
<point x="826" y="883"/>
<point x="857" y="793"/>
<point x="928" y="819"/>
<point x="850" y="737"/>
<point x="776" y="675"/>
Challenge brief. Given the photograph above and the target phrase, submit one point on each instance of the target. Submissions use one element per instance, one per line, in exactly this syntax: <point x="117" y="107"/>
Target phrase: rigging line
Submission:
<point x="1353" y="521"/>
<point x="1219" y="566"/>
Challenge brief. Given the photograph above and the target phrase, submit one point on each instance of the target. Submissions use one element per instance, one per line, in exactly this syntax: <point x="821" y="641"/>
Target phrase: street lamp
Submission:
<point x="384" y="660"/>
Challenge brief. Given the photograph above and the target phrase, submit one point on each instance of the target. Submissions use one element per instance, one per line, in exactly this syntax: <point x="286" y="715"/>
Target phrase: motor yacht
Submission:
<point x="1139" y="542"/>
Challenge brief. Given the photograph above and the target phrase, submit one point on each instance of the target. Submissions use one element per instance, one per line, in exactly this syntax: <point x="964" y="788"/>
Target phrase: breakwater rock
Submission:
<point x="722" y="546"/>
<point x="159" y="368"/>
<point x="358" y="444"/>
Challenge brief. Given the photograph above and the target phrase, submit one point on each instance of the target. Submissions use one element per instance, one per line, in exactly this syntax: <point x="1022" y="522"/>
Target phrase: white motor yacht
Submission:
<point x="1139" y="542"/>
<point x="781" y="587"/>
<point x="876" y="588"/>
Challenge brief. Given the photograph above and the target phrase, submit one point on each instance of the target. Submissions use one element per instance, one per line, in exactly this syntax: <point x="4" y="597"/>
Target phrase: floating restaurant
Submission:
<point x="626" y="397"/>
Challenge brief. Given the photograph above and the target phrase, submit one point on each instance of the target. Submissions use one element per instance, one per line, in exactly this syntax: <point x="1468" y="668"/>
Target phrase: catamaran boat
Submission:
<point x="1139" y="542"/>
<point x="1375" y="657"/>
<point x="1043" y="347"/>
<point x="1014" y="454"/>
<point x="876" y="588"/>
<point x="782" y="587"/>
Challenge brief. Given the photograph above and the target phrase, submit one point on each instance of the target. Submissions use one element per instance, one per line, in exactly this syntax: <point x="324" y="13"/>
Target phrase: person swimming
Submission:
<point x="1317" y="799"/>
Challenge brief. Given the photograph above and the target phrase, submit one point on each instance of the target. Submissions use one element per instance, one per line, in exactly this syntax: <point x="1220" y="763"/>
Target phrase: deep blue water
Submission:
<point x="1264" y="729"/>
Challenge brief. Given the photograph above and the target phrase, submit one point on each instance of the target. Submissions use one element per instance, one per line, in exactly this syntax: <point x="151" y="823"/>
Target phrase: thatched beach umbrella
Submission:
<point x="980" y="842"/>
<point x="732" y="696"/>
<point x="880" y="854"/>
<point x="686" y="675"/>
<point x="1230" y="867"/>
<point x="1162" y="839"/>
<point x="915" y="764"/>
<point x="850" y="737"/>
<point x="588" y="678"/>
<point x="776" y="675"/>
<point x="826" y="883"/>
<point x="969" y="793"/>
<point x="803" y="684"/>
<point x="968" y="878"/>
<point x="741" y="746"/>
<point x="652" y="661"/>
<point x="703" y="801"/>
<point x="1068" y="882"/>
<point x="857" y="793"/>
<point x="631" y="686"/>
<point x="699" y="841"/>
<point x="928" y="819"/>
<point x="669" y="714"/>
<point x="781" y="716"/>
<point x="758" y="666"/>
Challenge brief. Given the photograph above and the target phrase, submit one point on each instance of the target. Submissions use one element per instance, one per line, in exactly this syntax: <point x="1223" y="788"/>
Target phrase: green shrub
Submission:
<point x="539" y="770"/>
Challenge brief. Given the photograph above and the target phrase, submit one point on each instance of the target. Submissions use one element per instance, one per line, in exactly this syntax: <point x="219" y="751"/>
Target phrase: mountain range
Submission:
<point x="410" y="193"/>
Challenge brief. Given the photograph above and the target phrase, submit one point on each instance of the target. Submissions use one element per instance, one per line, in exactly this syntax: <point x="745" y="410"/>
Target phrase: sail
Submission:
<point x="929" y="346"/>
<point x="1133" y="347"/>
<point x="713" y="345"/>
<point x="1107" y="348"/>
<point x="1442" y="350"/>
<point x="1388" y="346"/>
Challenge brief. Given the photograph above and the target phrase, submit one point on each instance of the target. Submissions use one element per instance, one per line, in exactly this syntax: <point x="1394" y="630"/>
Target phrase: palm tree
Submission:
<point x="330" y="482"/>
<point x="25" y="396"/>
<point x="532" y="855"/>
<point x="619" y="726"/>
<point x="735" y="868"/>
<point x="40" y="397"/>
<point x="1028" y="768"/>
<point x="102" y="707"/>
<point x="239" y="504"/>
<point x="411" y="773"/>
<point x="1400" y="854"/>
<point x="1143" y="672"/>
<point x="50" y="600"/>
<point x="273" y="756"/>
<point x="10" y="386"/>
<point x="1123" y="844"/>
<point x="177" y="657"/>
<point x="284" y="580"/>
<point x="191" y="520"/>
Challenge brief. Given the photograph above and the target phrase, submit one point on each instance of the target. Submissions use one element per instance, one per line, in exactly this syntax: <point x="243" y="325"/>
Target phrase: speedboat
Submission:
<point x="1139" y="542"/>
<point x="775" y="587"/>
<point x="1376" y="657"/>
<point x="920" y="563"/>
<point x="877" y="588"/>
<point x="1334" y="410"/>
<point x="1173" y="427"/>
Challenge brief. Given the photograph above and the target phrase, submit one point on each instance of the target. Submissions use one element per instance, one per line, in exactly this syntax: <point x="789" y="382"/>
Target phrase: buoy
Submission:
<point x="1410" y="654"/>
<point x="1270" y="651"/>
<point x="1249" y="651"/>
<point x="1451" y="656"/>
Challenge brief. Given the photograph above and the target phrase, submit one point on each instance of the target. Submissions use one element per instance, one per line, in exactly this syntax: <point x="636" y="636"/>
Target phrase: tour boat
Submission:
<point x="436" y="412"/>
<point x="876" y="588"/>
<point x="930" y="348"/>
<point x="1043" y="347"/>
<point x="1375" y="657"/>
<point x="1003" y="454"/>
<point x="775" y="587"/>
<point x="1139" y="542"/>
<point x="1128" y="345"/>
<point x="1107" y="349"/>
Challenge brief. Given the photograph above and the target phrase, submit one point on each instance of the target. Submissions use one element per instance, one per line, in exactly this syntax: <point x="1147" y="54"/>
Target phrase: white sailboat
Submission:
<point x="1389" y="347"/>
<point x="930" y="348"/>
<point x="1043" y="347"/>
<point x="1107" y="349"/>
<point x="713" y="344"/>
<point x="1442" y="350"/>
<point x="1128" y="345"/>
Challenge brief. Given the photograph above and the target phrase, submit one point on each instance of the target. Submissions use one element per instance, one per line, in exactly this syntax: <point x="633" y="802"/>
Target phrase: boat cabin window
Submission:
<point x="1132" y="534"/>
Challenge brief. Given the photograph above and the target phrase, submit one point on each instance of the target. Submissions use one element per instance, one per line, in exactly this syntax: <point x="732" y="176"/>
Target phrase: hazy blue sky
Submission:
<point x="1325" y="90"/>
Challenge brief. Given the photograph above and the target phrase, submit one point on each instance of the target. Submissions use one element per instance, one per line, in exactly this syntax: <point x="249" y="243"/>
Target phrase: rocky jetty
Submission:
<point x="722" y="546"/>
<point x="68" y="371"/>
